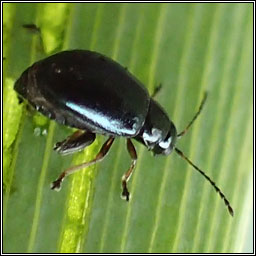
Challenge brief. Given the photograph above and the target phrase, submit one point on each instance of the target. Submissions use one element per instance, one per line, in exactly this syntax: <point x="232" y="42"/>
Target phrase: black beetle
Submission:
<point x="91" y="92"/>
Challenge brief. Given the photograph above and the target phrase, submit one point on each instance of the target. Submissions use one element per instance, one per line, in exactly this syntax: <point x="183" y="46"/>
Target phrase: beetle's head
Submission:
<point x="158" y="133"/>
<point x="165" y="145"/>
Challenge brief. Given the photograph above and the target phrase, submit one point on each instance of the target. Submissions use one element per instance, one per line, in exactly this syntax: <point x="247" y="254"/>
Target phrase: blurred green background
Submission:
<point x="189" y="49"/>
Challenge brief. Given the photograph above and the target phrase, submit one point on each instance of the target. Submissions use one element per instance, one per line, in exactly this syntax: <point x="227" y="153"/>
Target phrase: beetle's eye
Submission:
<point x="166" y="143"/>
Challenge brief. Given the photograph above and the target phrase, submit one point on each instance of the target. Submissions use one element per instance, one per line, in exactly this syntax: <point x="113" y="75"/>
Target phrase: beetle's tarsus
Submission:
<point x="132" y="151"/>
<point x="20" y="100"/>
<point x="125" y="194"/>
<point x="32" y="28"/>
<point x="56" y="185"/>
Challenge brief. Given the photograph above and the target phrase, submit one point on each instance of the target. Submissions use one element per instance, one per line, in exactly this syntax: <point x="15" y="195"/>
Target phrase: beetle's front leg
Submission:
<point x="76" y="142"/>
<point x="132" y="151"/>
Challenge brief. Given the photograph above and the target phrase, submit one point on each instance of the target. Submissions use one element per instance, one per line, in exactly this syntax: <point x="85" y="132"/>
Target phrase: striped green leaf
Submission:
<point x="189" y="49"/>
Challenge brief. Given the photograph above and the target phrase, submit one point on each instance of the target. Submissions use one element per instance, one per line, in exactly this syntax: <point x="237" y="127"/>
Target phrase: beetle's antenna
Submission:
<point x="194" y="118"/>
<point x="209" y="179"/>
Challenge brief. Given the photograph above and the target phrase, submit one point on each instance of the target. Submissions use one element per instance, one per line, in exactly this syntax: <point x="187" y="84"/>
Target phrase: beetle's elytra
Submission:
<point x="91" y="92"/>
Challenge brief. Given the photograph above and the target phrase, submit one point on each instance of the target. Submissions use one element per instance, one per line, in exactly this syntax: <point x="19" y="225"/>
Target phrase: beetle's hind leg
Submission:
<point x="34" y="29"/>
<point x="74" y="143"/>
<point x="132" y="151"/>
<point x="56" y="185"/>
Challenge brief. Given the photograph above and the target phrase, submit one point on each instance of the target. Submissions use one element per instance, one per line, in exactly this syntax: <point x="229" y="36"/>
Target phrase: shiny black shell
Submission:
<point x="86" y="90"/>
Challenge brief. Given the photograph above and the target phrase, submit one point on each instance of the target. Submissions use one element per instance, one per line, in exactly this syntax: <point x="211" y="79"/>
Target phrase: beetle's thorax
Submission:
<point x="158" y="132"/>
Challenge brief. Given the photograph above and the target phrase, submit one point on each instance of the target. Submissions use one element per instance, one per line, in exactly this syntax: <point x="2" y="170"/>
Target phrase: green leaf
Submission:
<point x="189" y="49"/>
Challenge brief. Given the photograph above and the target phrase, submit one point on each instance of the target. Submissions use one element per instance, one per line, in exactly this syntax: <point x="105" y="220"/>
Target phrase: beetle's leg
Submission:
<point x="32" y="28"/>
<point x="76" y="142"/>
<point x="56" y="185"/>
<point x="195" y="117"/>
<point x="156" y="90"/>
<point x="20" y="99"/>
<point x="132" y="151"/>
